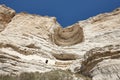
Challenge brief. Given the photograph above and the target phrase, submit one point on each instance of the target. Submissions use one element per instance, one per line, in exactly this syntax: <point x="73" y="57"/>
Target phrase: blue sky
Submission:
<point x="67" y="12"/>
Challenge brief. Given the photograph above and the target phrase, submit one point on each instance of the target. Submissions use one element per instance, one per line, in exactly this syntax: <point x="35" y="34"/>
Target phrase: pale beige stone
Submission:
<point x="33" y="43"/>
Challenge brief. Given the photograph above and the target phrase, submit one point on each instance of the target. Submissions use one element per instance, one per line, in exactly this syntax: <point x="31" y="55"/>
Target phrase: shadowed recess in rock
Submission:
<point x="68" y="36"/>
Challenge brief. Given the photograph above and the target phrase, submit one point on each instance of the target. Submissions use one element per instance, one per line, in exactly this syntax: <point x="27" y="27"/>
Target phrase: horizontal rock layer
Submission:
<point x="33" y="43"/>
<point x="95" y="62"/>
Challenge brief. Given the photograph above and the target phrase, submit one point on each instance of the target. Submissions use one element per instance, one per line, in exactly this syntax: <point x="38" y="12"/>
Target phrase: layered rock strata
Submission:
<point x="68" y="36"/>
<point x="102" y="63"/>
<point x="33" y="43"/>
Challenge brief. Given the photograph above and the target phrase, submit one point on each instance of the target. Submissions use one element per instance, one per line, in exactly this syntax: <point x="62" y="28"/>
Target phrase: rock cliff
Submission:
<point x="36" y="47"/>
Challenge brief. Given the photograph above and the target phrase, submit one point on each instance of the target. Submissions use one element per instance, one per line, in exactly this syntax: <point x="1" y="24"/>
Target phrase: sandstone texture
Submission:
<point x="37" y="46"/>
<point x="6" y="14"/>
<point x="68" y="36"/>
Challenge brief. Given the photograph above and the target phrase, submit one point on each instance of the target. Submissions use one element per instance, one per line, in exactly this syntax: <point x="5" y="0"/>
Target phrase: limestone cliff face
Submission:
<point x="87" y="50"/>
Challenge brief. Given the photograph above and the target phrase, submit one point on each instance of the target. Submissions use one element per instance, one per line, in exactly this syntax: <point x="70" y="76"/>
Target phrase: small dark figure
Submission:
<point x="46" y="61"/>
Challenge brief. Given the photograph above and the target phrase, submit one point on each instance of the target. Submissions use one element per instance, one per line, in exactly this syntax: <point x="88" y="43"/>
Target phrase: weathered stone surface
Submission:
<point x="68" y="36"/>
<point x="6" y="14"/>
<point x="103" y="62"/>
<point x="33" y="43"/>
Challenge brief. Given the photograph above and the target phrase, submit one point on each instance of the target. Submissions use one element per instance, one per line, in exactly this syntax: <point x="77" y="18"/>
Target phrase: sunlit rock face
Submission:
<point x="6" y="14"/>
<point x="87" y="50"/>
<point x="102" y="63"/>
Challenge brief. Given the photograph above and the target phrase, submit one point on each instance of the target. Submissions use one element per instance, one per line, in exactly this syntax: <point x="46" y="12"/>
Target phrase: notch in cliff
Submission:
<point x="68" y="36"/>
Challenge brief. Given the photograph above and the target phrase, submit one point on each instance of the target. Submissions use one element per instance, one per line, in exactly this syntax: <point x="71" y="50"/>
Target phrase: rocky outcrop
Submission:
<point x="102" y="63"/>
<point x="68" y="36"/>
<point x="101" y="58"/>
<point x="6" y="14"/>
<point x="86" y="50"/>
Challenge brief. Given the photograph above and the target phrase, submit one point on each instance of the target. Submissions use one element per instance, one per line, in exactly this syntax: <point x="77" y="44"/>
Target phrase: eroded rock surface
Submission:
<point x="102" y="63"/>
<point x="6" y="14"/>
<point x="68" y="36"/>
<point x="33" y="43"/>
